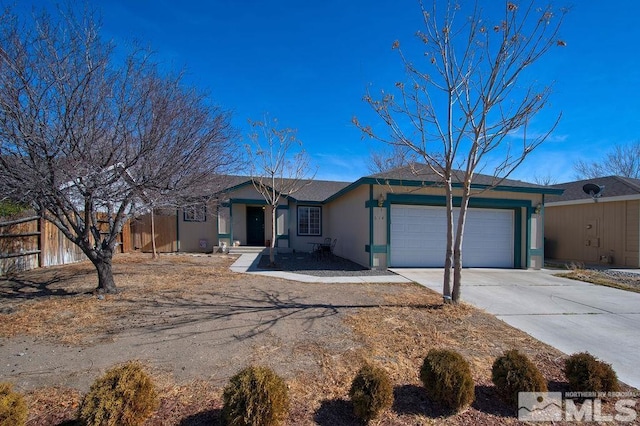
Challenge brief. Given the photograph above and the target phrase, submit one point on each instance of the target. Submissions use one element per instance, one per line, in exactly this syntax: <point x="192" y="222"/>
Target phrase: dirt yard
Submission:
<point x="194" y="324"/>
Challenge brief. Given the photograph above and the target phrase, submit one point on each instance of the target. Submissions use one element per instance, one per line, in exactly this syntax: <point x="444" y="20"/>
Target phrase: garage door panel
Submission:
<point x="418" y="237"/>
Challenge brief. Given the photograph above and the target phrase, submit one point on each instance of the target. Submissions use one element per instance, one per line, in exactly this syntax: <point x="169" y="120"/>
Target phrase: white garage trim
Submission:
<point x="418" y="237"/>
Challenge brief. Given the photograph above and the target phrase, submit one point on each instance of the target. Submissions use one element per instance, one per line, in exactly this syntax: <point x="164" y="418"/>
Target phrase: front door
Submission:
<point x="255" y="226"/>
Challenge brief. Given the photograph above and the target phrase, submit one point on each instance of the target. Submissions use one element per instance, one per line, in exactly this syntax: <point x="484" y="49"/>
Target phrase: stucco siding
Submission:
<point x="349" y="218"/>
<point x="198" y="237"/>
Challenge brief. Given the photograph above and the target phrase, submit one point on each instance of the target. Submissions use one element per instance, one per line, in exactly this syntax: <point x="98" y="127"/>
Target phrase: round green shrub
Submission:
<point x="124" y="395"/>
<point x="447" y="379"/>
<point x="13" y="409"/>
<point x="255" y="396"/>
<point x="588" y="374"/>
<point x="371" y="392"/>
<point x="513" y="372"/>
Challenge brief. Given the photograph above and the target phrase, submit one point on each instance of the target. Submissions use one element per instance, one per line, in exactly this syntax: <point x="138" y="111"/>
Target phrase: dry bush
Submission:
<point x="447" y="379"/>
<point x="371" y="392"/>
<point x="125" y="395"/>
<point x="513" y="372"/>
<point x="255" y="396"/>
<point x="13" y="409"/>
<point x="588" y="374"/>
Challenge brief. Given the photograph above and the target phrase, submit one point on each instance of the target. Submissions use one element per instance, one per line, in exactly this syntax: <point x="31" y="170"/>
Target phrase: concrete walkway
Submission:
<point x="570" y="315"/>
<point x="247" y="263"/>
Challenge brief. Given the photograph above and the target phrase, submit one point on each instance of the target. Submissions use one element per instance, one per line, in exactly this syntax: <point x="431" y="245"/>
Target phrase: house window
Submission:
<point x="309" y="220"/>
<point x="195" y="213"/>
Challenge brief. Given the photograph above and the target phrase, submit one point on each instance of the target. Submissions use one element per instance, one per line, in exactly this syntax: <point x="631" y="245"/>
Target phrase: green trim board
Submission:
<point x="253" y="201"/>
<point x="440" y="200"/>
<point x="224" y="236"/>
<point x="376" y="249"/>
<point x="431" y="184"/>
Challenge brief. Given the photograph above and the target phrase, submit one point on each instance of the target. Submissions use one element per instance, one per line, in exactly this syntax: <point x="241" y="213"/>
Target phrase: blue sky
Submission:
<point x="309" y="63"/>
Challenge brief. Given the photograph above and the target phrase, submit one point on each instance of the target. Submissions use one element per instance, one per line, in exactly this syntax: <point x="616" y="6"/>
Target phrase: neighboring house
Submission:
<point x="600" y="229"/>
<point x="392" y="219"/>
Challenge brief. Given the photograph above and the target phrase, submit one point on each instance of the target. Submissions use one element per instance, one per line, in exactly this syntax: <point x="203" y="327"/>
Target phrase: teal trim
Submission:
<point x="375" y="249"/>
<point x="224" y="236"/>
<point x="537" y="252"/>
<point x="371" y="206"/>
<point x="432" y="184"/>
<point x="282" y="207"/>
<point x="517" y="238"/>
<point x="440" y="200"/>
<point x="225" y="204"/>
<point x="258" y="202"/>
<point x="282" y="237"/>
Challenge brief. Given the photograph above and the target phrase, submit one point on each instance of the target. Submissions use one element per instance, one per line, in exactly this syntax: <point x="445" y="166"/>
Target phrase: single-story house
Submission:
<point x="595" y="221"/>
<point x="391" y="219"/>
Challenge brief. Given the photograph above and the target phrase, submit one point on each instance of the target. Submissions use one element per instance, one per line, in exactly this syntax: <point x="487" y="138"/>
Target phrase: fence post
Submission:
<point x="41" y="242"/>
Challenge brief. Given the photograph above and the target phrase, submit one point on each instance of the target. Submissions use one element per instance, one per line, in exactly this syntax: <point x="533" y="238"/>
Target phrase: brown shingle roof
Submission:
<point x="614" y="186"/>
<point x="422" y="172"/>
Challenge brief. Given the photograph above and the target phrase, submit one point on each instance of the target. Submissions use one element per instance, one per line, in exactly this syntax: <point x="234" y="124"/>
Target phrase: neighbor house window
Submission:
<point x="196" y="213"/>
<point x="309" y="221"/>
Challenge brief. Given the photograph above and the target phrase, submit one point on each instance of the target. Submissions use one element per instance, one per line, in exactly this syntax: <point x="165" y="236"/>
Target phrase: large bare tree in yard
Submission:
<point x="280" y="166"/>
<point x="620" y="160"/>
<point x="90" y="140"/>
<point x="466" y="102"/>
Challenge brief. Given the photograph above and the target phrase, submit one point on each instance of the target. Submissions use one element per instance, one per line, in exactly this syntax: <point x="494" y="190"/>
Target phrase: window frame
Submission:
<point x="195" y="213"/>
<point x="298" y="223"/>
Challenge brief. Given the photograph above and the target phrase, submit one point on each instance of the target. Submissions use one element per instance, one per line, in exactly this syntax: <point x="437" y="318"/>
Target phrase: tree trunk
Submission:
<point x="106" y="283"/>
<point x="448" y="260"/>
<point x="457" y="250"/>
<point x="272" y="246"/>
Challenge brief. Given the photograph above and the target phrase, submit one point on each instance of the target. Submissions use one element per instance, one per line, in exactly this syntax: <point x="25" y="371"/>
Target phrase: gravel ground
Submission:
<point x="622" y="277"/>
<point x="308" y="264"/>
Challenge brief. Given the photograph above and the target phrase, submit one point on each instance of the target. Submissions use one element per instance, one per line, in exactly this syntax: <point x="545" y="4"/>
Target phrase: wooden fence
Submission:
<point x="31" y="242"/>
<point x="166" y="228"/>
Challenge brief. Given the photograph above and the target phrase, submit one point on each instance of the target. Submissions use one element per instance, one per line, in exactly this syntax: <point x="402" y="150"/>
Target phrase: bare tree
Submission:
<point x="88" y="141"/>
<point x="463" y="103"/>
<point x="545" y="180"/>
<point x="621" y="160"/>
<point x="396" y="156"/>
<point x="279" y="166"/>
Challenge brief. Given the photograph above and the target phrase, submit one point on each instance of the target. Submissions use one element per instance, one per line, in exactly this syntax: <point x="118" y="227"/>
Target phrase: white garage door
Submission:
<point x="418" y="237"/>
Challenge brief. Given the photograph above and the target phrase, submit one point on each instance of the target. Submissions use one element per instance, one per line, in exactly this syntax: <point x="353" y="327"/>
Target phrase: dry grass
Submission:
<point x="394" y="328"/>
<point x="596" y="277"/>
<point x="60" y="303"/>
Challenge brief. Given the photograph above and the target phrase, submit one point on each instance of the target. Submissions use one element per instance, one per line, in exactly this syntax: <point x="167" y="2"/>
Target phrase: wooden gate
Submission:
<point x="166" y="228"/>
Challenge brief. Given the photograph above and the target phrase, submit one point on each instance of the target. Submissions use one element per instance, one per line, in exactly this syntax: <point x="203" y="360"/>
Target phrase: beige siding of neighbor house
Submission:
<point x="603" y="232"/>
<point x="198" y="237"/>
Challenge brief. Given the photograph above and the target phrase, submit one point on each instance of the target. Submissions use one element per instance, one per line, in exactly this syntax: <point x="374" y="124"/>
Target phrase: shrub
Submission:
<point x="124" y="395"/>
<point x="13" y="409"/>
<point x="513" y="372"/>
<point x="255" y="396"/>
<point x="588" y="374"/>
<point x="447" y="379"/>
<point x="371" y="392"/>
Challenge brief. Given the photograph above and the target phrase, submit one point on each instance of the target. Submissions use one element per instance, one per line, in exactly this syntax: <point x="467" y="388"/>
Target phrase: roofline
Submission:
<point x="436" y="184"/>
<point x="632" y="197"/>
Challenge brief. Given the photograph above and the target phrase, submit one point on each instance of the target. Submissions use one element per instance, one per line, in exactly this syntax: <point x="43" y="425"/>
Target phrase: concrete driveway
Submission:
<point x="570" y="315"/>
